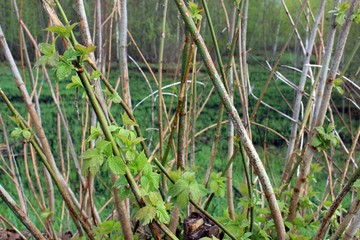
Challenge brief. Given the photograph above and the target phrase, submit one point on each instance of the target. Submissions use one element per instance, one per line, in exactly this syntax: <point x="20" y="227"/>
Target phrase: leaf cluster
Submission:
<point x="325" y="138"/>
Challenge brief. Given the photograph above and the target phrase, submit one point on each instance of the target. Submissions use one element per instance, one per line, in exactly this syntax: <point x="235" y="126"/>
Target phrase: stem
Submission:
<point x="234" y="116"/>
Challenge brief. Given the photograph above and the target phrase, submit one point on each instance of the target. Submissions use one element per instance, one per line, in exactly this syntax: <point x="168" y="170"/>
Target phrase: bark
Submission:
<point x="353" y="227"/>
<point x="346" y="221"/>
<point x="300" y="89"/>
<point x="310" y="150"/>
<point x="234" y="116"/>
<point x="67" y="193"/>
<point x="20" y="214"/>
<point x="123" y="53"/>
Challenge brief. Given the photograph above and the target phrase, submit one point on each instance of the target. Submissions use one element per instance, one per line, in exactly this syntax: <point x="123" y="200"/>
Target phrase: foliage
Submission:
<point x="325" y="138"/>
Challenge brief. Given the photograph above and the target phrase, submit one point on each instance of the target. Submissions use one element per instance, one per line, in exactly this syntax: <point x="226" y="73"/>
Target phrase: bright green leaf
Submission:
<point x="150" y="180"/>
<point x="46" y="49"/>
<point x="47" y="214"/>
<point x="95" y="74"/>
<point x="84" y="50"/>
<point x="138" y="164"/>
<point x="26" y="134"/>
<point x="63" y="31"/>
<point x="70" y="54"/>
<point x="145" y="214"/>
<point x="162" y="215"/>
<point x="16" y="132"/>
<point x="116" y="165"/>
<point x="63" y="70"/>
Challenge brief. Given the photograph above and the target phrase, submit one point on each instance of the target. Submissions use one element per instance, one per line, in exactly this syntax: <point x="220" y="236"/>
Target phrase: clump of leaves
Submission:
<point x="338" y="86"/>
<point x="108" y="230"/>
<point x="195" y="11"/>
<point x="356" y="16"/>
<point x="155" y="209"/>
<point x="187" y="187"/>
<point x="340" y="13"/>
<point x="325" y="138"/>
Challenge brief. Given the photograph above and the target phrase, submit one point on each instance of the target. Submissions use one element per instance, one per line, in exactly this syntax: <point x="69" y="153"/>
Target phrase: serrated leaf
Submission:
<point x="176" y="175"/>
<point x="108" y="227"/>
<point x="162" y="215"/>
<point x="155" y="199"/>
<point x="71" y="54"/>
<point x="217" y="185"/>
<point x="116" y="165"/>
<point x="95" y="132"/>
<point x="150" y="180"/>
<point x="63" y="31"/>
<point x="356" y="16"/>
<point x="195" y="11"/>
<point x="131" y="154"/>
<point x="185" y="187"/>
<point x="316" y="142"/>
<point x="63" y="70"/>
<point x="145" y="214"/>
<point x="95" y="74"/>
<point x="91" y="153"/>
<point x="46" y="49"/>
<point x="138" y="164"/>
<point x="75" y="83"/>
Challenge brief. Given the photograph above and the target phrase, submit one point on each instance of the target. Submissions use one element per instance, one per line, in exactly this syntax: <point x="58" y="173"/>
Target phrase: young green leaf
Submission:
<point x="84" y="50"/>
<point x="185" y="187"/>
<point x="138" y="164"/>
<point x="150" y="180"/>
<point x="217" y="185"/>
<point x="47" y="214"/>
<point x="71" y="54"/>
<point x="146" y="214"/>
<point x="75" y="83"/>
<point x="16" y="132"/>
<point x="63" y="70"/>
<point x="195" y="11"/>
<point x="46" y="49"/>
<point x="93" y="159"/>
<point x="95" y="74"/>
<point x="26" y="134"/>
<point x="63" y="31"/>
<point x="116" y="165"/>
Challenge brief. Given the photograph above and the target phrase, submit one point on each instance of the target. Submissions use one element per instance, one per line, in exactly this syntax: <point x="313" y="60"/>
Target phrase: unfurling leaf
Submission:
<point x="84" y="50"/>
<point x="195" y="11"/>
<point x="26" y="134"/>
<point x="16" y="132"/>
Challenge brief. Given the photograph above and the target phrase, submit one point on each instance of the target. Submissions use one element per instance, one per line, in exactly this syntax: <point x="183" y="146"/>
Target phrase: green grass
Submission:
<point x="276" y="147"/>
